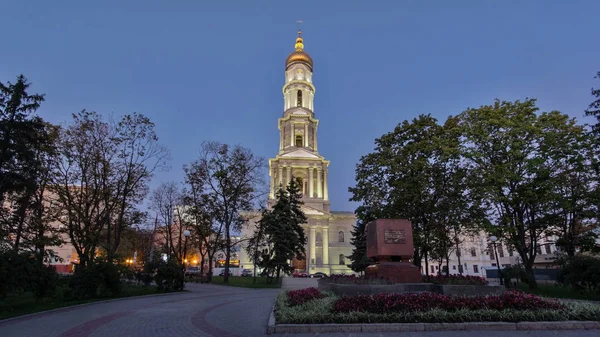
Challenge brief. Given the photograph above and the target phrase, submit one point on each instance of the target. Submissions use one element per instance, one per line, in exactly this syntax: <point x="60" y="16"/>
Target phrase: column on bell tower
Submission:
<point x="311" y="188"/>
<point x="319" y="183"/>
<point x="325" y="189"/>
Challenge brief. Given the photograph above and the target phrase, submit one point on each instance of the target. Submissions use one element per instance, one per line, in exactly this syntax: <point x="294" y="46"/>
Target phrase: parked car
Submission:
<point x="246" y="272"/>
<point x="222" y="273"/>
<point x="318" y="275"/>
<point x="190" y="271"/>
<point x="299" y="274"/>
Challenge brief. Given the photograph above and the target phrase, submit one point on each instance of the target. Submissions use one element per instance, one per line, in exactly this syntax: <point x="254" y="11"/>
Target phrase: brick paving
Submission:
<point x="206" y="310"/>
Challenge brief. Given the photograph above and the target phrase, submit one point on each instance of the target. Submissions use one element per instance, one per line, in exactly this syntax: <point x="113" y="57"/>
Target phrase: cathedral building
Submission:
<point x="328" y="232"/>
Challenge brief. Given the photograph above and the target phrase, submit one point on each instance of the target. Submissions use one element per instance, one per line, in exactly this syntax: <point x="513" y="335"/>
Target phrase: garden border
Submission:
<point x="273" y="328"/>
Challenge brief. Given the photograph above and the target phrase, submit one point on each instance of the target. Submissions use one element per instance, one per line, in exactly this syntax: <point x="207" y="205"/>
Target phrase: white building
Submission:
<point x="477" y="254"/>
<point x="328" y="232"/>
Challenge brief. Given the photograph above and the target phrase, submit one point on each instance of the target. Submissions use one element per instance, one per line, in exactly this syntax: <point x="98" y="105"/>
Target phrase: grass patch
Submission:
<point x="246" y="282"/>
<point x="557" y="291"/>
<point x="17" y="305"/>
<point x="319" y="311"/>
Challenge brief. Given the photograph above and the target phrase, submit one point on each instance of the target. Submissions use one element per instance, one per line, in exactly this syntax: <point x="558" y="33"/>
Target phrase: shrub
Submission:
<point x="14" y="273"/>
<point x="297" y="297"/>
<point x="20" y="272"/>
<point x="43" y="281"/>
<point x="514" y="272"/>
<point x="455" y="280"/>
<point x="85" y="282"/>
<point x="101" y="279"/>
<point x="169" y="276"/>
<point x="581" y="272"/>
<point x="386" y="303"/>
<point x="110" y="279"/>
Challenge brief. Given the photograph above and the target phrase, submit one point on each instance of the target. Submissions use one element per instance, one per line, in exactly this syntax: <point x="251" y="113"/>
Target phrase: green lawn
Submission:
<point x="17" y="305"/>
<point x="246" y="282"/>
<point x="555" y="291"/>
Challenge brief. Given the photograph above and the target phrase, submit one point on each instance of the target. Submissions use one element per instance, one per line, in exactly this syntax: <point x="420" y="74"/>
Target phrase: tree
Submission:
<point x="359" y="258"/>
<point x="573" y="206"/>
<point x="18" y="132"/>
<point x="102" y="176"/>
<point x="138" y="155"/>
<point x="231" y="180"/>
<point x="208" y="233"/>
<point x="401" y="179"/>
<point x="280" y="236"/>
<point x="164" y="201"/>
<point x="258" y="243"/>
<point x="513" y="155"/>
<point x="594" y="108"/>
<point x="83" y="182"/>
<point x="26" y="158"/>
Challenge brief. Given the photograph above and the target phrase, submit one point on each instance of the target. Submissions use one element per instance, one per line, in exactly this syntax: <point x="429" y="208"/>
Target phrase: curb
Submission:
<point x="410" y="327"/>
<point x="72" y="307"/>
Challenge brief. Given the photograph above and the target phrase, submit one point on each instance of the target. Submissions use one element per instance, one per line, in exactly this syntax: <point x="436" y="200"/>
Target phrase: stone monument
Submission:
<point x="390" y="245"/>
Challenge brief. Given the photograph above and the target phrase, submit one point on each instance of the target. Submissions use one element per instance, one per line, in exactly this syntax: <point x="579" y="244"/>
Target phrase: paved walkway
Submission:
<point x="206" y="310"/>
<point x="293" y="283"/>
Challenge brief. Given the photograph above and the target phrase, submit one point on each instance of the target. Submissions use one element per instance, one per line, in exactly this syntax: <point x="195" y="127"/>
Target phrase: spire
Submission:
<point x="299" y="41"/>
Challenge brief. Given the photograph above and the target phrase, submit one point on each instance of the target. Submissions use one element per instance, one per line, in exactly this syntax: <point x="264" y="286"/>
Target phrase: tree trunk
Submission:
<point x="458" y="255"/>
<point x="210" y="268"/>
<point x="21" y="211"/>
<point x="426" y="256"/>
<point x="227" y="255"/>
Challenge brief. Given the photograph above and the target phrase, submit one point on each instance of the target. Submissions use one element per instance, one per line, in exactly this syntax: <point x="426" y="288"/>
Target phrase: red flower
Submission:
<point x="297" y="297"/>
<point x="383" y="303"/>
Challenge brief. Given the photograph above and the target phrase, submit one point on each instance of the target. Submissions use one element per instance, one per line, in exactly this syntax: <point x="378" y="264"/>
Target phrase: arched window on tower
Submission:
<point x="341" y="236"/>
<point x="342" y="260"/>
<point x="299" y="141"/>
<point x="299" y="98"/>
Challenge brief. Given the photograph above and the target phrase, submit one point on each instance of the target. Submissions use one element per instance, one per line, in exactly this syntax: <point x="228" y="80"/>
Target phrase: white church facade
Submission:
<point x="328" y="232"/>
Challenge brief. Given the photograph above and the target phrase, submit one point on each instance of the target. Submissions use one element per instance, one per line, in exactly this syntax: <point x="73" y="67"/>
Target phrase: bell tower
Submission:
<point x="298" y="154"/>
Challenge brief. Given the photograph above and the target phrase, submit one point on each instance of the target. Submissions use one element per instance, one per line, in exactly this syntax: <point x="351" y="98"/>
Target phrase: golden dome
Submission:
<point x="299" y="55"/>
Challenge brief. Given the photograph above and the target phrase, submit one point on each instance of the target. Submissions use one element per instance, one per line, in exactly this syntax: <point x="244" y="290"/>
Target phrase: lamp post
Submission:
<point x="187" y="234"/>
<point x="493" y="238"/>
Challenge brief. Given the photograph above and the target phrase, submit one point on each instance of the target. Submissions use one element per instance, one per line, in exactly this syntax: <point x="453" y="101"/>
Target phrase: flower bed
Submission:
<point x="325" y="307"/>
<point x="297" y="297"/>
<point x="386" y="303"/>
<point x="456" y="280"/>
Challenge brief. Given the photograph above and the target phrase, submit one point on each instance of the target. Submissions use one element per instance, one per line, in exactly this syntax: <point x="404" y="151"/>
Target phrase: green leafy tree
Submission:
<point x="515" y="157"/>
<point x="416" y="173"/>
<point x="594" y="108"/>
<point x="573" y="198"/>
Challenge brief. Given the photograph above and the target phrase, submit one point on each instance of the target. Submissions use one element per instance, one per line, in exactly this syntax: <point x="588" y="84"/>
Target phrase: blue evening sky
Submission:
<point x="213" y="70"/>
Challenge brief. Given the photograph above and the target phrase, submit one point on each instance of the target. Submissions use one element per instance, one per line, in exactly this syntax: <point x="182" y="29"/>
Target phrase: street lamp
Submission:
<point x="187" y="234"/>
<point x="493" y="238"/>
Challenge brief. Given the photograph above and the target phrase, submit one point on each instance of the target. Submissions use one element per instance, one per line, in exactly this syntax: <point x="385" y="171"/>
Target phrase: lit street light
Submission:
<point x="187" y="234"/>
<point x="493" y="238"/>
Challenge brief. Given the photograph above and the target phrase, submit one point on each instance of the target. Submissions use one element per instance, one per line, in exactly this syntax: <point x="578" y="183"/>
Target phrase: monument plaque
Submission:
<point x="394" y="236"/>
<point x="390" y="246"/>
